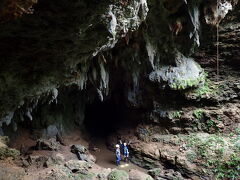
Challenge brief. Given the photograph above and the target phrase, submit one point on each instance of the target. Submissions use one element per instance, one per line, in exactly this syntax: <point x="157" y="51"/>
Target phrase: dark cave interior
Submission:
<point x="103" y="118"/>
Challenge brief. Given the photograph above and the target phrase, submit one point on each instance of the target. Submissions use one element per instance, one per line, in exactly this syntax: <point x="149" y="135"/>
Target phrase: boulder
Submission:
<point x="168" y="174"/>
<point x="118" y="175"/>
<point x="155" y="172"/>
<point x="47" y="144"/>
<point x="78" y="149"/>
<point x="135" y="174"/>
<point x="58" y="172"/>
<point x="81" y="152"/>
<point x="77" y="166"/>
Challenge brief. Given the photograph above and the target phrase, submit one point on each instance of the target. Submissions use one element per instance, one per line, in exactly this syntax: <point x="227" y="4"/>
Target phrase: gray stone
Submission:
<point x="78" y="166"/>
<point x="52" y="131"/>
<point x="118" y="175"/>
<point x="47" y="144"/>
<point x="78" y="149"/>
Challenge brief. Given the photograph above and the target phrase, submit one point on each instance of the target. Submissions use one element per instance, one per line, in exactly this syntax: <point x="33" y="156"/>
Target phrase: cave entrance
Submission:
<point x="104" y="118"/>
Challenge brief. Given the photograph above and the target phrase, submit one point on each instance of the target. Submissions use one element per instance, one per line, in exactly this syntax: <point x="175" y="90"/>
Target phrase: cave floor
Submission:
<point x="106" y="158"/>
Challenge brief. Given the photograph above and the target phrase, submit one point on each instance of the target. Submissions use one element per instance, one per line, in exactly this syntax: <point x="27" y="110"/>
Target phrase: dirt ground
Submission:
<point x="104" y="157"/>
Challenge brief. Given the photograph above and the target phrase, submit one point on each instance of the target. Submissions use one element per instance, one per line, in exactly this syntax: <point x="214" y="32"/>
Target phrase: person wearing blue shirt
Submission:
<point x="118" y="155"/>
<point x="125" y="152"/>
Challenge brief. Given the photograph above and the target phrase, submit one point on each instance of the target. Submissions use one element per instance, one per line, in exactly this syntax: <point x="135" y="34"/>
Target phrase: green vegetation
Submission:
<point x="216" y="152"/>
<point x="191" y="156"/>
<point x="155" y="172"/>
<point x="227" y="169"/>
<point x="118" y="175"/>
<point x="198" y="113"/>
<point x="236" y="142"/>
<point x="237" y="131"/>
<point x="207" y="146"/>
<point x="186" y="83"/>
<point x="149" y="178"/>
<point x="219" y="118"/>
<point x="85" y="176"/>
<point x="206" y="89"/>
<point x="176" y="114"/>
<point x="6" y="152"/>
<point x="210" y="124"/>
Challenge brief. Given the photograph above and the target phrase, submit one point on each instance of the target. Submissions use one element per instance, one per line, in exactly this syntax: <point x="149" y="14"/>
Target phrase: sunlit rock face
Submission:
<point x="141" y="48"/>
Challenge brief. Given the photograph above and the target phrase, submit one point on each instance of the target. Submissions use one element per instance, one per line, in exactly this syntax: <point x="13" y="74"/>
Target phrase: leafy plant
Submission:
<point x="205" y="89"/>
<point x="212" y="125"/>
<point x="198" y="113"/>
<point x="191" y="156"/>
<point x="219" y="118"/>
<point x="237" y="130"/>
<point x="118" y="175"/>
<point x="176" y="114"/>
<point x="228" y="169"/>
<point x="211" y="150"/>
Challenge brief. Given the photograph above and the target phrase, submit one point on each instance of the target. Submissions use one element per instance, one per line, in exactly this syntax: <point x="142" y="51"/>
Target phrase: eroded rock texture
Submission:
<point x="45" y="56"/>
<point x="65" y="43"/>
<point x="155" y="60"/>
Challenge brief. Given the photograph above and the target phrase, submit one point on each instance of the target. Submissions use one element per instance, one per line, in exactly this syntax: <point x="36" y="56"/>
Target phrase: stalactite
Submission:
<point x="194" y="13"/>
<point x="152" y="52"/>
<point x="28" y="113"/>
<point x="7" y="118"/>
<point x="113" y="22"/>
<point x="54" y="95"/>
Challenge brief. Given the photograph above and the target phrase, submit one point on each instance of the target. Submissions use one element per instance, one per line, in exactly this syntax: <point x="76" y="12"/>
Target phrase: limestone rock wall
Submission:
<point x="144" y="48"/>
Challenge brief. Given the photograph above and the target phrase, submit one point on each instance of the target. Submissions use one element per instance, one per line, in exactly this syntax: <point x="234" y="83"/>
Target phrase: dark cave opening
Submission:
<point x="103" y="118"/>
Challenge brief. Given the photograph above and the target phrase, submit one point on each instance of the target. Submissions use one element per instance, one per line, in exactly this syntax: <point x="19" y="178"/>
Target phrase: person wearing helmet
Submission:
<point x="118" y="155"/>
<point x="125" y="152"/>
<point x="121" y="146"/>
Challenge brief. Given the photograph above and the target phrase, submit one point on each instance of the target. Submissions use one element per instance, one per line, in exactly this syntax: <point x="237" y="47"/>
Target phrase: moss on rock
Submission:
<point x="118" y="175"/>
<point x="155" y="172"/>
<point x="6" y="152"/>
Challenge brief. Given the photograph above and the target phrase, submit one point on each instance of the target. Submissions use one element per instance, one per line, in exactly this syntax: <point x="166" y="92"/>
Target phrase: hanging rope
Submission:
<point x="217" y="42"/>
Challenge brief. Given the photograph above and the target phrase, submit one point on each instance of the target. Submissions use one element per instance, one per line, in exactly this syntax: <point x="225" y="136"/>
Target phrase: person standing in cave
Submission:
<point x="121" y="146"/>
<point x="125" y="152"/>
<point x="118" y="155"/>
